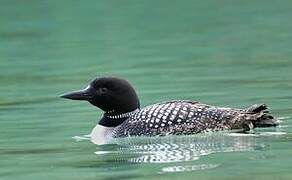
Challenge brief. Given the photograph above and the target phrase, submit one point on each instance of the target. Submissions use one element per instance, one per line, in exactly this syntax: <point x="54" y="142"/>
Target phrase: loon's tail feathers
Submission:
<point x="262" y="116"/>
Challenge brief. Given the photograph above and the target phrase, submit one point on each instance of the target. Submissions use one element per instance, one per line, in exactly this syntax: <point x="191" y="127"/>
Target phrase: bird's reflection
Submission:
<point x="182" y="148"/>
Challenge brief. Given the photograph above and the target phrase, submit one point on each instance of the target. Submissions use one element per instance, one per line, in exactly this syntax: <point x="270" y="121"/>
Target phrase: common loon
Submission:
<point x="123" y="117"/>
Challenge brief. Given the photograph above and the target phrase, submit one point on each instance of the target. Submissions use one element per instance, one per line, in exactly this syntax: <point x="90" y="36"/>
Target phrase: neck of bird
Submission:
<point x="114" y="118"/>
<point x="117" y="115"/>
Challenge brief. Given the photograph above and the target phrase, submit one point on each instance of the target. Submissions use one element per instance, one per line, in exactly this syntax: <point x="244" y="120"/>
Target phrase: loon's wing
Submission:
<point x="186" y="117"/>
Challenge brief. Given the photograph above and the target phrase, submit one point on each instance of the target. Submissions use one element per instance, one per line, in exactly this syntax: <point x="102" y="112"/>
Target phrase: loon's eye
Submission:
<point x="103" y="90"/>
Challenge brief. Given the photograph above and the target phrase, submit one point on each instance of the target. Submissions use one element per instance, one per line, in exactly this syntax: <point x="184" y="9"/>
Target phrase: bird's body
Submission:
<point x="123" y="116"/>
<point x="186" y="117"/>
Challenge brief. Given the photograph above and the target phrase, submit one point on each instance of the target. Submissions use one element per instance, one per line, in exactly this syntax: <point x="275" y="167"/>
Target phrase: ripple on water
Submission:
<point x="82" y="138"/>
<point x="284" y="117"/>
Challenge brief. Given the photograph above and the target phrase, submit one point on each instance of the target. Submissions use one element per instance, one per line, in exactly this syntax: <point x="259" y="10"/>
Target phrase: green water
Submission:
<point x="226" y="53"/>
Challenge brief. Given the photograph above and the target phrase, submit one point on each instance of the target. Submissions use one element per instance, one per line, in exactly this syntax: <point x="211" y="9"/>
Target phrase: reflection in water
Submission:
<point x="180" y="153"/>
<point x="189" y="149"/>
<point x="189" y="168"/>
<point x="182" y="148"/>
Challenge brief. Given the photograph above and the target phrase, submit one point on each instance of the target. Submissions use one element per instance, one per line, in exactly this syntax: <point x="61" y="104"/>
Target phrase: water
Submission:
<point x="225" y="53"/>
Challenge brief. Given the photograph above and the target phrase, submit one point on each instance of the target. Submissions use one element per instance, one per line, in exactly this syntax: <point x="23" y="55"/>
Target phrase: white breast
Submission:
<point x="101" y="134"/>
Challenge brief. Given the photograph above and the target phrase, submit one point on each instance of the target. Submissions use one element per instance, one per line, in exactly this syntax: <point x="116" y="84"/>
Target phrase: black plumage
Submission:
<point x="188" y="117"/>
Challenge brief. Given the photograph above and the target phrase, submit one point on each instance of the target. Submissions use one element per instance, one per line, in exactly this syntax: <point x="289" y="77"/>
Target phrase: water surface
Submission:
<point x="227" y="53"/>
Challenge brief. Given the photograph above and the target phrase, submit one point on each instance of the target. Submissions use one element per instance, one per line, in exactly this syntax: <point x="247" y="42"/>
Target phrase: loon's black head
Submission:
<point x="110" y="94"/>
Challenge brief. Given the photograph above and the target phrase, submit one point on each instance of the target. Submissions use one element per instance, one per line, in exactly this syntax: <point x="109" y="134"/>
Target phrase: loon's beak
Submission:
<point x="84" y="94"/>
